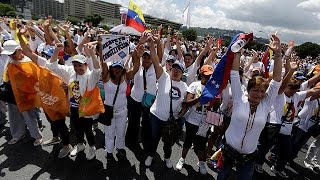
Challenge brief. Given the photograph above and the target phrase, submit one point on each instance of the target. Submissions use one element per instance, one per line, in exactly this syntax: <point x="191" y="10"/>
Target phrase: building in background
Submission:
<point x="23" y="7"/>
<point x="44" y="8"/>
<point x="61" y="10"/>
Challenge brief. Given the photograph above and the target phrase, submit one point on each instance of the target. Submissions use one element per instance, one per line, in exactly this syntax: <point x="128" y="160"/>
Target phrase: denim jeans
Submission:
<point x="243" y="172"/>
<point x="156" y="133"/>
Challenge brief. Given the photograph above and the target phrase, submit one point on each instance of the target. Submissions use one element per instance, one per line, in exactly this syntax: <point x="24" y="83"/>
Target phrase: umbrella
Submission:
<point x="125" y="30"/>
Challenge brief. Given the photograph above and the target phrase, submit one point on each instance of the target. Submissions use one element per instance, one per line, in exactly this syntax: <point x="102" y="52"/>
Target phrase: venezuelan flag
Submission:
<point x="135" y="17"/>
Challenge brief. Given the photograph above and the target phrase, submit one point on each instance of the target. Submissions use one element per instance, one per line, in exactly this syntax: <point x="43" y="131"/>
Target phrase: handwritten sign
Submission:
<point x="115" y="48"/>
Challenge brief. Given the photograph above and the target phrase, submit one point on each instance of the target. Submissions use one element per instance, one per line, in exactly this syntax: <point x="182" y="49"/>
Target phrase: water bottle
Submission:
<point x="238" y="45"/>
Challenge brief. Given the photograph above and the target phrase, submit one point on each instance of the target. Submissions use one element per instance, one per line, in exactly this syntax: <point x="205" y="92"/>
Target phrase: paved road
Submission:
<point x="23" y="161"/>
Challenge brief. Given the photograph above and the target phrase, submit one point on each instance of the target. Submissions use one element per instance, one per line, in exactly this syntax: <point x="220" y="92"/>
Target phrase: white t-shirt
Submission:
<point x="138" y="87"/>
<point x="308" y="114"/>
<point x="285" y="109"/>
<point x="161" y="105"/>
<point x="78" y="84"/>
<point x="110" y="90"/>
<point x="244" y="131"/>
<point x="280" y="105"/>
<point x="197" y="112"/>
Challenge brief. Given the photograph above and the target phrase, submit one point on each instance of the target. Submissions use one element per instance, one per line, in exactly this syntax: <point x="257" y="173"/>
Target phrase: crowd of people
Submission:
<point x="157" y="90"/>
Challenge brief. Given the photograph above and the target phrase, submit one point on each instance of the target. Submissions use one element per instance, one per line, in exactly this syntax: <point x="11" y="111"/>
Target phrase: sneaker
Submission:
<point x="202" y="167"/>
<point x="279" y="173"/>
<point x="15" y="140"/>
<point x="54" y="140"/>
<point x="308" y="164"/>
<point x="78" y="148"/>
<point x="168" y="163"/>
<point x="180" y="164"/>
<point x="94" y="126"/>
<point x="258" y="168"/>
<point x="91" y="153"/>
<point x="148" y="161"/>
<point x="38" y="141"/>
<point x="109" y="156"/>
<point x="65" y="151"/>
<point x="122" y="152"/>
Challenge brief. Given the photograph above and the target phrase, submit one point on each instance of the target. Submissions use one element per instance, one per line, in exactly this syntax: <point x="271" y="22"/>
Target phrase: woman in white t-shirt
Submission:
<point x="169" y="85"/>
<point x="249" y="116"/>
<point x="194" y="119"/>
<point x="115" y="79"/>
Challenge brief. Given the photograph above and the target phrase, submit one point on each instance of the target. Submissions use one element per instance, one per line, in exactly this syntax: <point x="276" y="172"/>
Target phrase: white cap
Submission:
<point x="79" y="58"/>
<point x="10" y="46"/>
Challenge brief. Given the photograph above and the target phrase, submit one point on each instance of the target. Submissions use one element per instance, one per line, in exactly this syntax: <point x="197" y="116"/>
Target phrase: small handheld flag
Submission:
<point x="221" y="74"/>
<point x="135" y="17"/>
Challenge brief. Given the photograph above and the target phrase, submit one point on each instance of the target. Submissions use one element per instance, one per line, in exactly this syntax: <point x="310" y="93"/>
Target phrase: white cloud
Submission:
<point x="293" y="19"/>
<point x="310" y="5"/>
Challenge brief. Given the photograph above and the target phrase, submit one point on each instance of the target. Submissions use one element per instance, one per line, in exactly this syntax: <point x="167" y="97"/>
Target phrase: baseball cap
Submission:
<point x="49" y="51"/>
<point x="117" y="63"/>
<point x="206" y="70"/>
<point x="171" y="58"/>
<point x="178" y="64"/>
<point x="10" y="46"/>
<point x="299" y="75"/>
<point x="146" y="52"/>
<point x="79" y="58"/>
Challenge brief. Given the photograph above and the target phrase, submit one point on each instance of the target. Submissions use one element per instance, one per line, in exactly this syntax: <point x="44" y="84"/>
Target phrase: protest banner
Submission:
<point x="115" y="47"/>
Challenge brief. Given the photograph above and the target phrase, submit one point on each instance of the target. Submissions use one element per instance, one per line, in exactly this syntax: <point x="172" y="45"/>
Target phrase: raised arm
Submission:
<point x="54" y="56"/>
<point x="293" y="66"/>
<point x="155" y="59"/>
<point x="65" y="28"/>
<point x="105" y="70"/>
<point x="236" y="62"/>
<point x="95" y="62"/>
<point x="275" y="46"/>
<point x="137" y="54"/>
<point x="47" y="36"/>
<point x="26" y="50"/>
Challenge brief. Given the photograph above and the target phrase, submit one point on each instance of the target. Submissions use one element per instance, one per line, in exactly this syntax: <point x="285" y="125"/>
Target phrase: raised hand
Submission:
<point x="66" y="26"/>
<point x="140" y="50"/>
<point x="46" y="23"/>
<point x="143" y="38"/>
<point x="21" y="31"/>
<point x="275" y="45"/>
<point x="59" y="46"/>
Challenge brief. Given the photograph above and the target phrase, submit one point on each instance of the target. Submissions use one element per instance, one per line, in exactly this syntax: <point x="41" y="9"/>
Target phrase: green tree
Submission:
<point x="105" y="27"/>
<point x="35" y="17"/>
<point x="95" y="19"/>
<point x="308" y="49"/>
<point x="7" y="10"/>
<point x="190" y="34"/>
<point x="74" y="20"/>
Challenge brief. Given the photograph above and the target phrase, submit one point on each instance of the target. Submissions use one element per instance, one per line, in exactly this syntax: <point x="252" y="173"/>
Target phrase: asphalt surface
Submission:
<point x="23" y="161"/>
